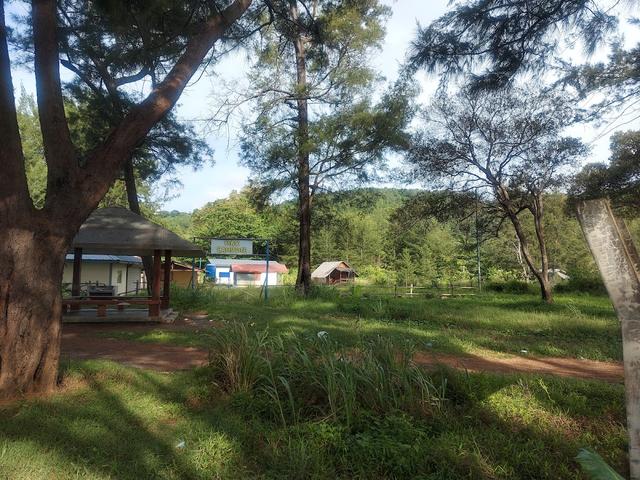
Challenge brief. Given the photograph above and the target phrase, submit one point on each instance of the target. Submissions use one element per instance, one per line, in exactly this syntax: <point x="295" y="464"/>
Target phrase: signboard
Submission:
<point x="231" y="247"/>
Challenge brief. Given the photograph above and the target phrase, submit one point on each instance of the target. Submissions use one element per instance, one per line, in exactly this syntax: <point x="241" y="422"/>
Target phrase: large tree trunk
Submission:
<point x="30" y="309"/>
<point x="134" y="206"/>
<point x="619" y="264"/>
<point x="303" y="282"/>
<point x="33" y="243"/>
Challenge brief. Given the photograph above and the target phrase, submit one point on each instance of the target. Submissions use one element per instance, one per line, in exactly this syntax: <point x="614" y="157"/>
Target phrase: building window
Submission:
<point x="119" y="276"/>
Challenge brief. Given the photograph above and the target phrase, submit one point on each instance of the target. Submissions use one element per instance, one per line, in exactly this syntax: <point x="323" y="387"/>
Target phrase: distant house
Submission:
<point x="330" y="273"/>
<point x="244" y="273"/>
<point x="181" y="274"/>
<point x="123" y="272"/>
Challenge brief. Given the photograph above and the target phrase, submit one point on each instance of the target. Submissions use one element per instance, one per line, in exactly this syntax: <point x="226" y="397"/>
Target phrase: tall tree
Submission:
<point x="495" y="40"/>
<point x="313" y="124"/>
<point x="33" y="242"/>
<point x="509" y="144"/>
<point x="620" y="180"/>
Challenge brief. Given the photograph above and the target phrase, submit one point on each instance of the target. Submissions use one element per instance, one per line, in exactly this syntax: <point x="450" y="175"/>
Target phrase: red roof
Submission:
<point x="274" y="267"/>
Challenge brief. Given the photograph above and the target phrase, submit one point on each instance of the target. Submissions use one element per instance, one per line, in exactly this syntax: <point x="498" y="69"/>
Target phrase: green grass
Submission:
<point x="576" y="326"/>
<point x="278" y="402"/>
<point x="117" y="422"/>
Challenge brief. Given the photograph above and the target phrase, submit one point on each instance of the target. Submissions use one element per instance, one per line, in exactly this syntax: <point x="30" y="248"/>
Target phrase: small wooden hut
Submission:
<point x="331" y="273"/>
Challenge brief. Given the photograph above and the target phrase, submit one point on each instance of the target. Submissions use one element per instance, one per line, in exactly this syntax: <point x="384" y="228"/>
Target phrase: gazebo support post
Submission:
<point x="154" y="308"/>
<point x="166" y="288"/>
<point x="77" y="270"/>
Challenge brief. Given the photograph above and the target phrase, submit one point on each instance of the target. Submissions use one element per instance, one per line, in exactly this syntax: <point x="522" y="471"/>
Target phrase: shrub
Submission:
<point x="238" y="358"/>
<point x="512" y="286"/>
<point x="582" y="285"/>
<point x="375" y="275"/>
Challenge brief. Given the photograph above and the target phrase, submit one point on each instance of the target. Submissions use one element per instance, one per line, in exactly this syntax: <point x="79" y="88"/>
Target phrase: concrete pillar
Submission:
<point x="619" y="265"/>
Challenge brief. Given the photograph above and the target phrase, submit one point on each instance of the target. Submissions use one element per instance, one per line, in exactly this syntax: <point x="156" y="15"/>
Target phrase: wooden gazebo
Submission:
<point x="119" y="231"/>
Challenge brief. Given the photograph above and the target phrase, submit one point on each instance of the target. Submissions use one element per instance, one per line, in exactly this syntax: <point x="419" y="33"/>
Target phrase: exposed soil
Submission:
<point x="84" y="341"/>
<point x="565" y="367"/>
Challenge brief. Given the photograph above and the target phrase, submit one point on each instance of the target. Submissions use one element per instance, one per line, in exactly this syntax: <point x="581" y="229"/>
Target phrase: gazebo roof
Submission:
<point x="116" y="230"/>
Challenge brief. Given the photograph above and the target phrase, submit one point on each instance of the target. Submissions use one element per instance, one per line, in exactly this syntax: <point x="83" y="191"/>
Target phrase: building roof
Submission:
<point x="127" y="259"/>
<point x="274" y="267"/>
<point x="182" y="266"/>
<point x="227" y="262"/>
<point x="325" y="269"/>
<point x="116" y="230"/>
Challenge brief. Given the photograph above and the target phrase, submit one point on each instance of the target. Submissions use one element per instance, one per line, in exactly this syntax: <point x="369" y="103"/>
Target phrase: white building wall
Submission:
<point x="99" y="272"/>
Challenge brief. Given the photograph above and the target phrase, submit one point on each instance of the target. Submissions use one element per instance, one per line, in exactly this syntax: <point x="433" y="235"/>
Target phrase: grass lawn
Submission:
<point x="279" y="402"/>
<point x="577" y="326"/>
<point x="112" y="421"/>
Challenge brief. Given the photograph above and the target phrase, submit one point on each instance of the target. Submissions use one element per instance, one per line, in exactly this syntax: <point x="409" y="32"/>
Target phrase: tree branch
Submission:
<point x="58" y="149"/>
<point x="106" y="160"/>
<point x="14" y="193"/>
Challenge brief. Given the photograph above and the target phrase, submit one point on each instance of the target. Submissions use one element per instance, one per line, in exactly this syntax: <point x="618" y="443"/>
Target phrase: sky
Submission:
<point x="223" y="175"/>
<point x="217" y="181"/>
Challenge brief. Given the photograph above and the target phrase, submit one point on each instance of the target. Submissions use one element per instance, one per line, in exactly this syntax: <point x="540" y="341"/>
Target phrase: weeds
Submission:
<point x="312" y="379"/>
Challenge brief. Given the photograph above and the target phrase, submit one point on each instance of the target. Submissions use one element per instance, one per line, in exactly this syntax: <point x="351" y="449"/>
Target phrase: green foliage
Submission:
<point x="372" y="228"/>
<point x="511" y="286"/>
<point x="35" y="165"/>
<point x="620" y="179"/>
<point x="595" y="467"/>
<point x="316" y="379"/>
<point x="495" y="40"/>
<point x="230" y="217"/>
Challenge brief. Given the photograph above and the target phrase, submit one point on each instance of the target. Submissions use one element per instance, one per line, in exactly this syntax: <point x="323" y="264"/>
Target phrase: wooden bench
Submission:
<point x="101" y="304"/>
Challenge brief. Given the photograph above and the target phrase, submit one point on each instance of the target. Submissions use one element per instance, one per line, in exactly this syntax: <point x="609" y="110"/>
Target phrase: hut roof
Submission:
<point x="116" y="230"/>
<point x="325" y="269"/>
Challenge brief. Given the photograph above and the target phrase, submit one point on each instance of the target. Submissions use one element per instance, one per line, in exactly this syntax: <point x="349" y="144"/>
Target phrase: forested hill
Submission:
<point x="396" y="235"/>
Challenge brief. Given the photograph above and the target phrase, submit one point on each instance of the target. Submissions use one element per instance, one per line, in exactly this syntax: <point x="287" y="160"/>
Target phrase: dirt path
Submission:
<point x="565" y="367"/>
<point x="83" y="341"/>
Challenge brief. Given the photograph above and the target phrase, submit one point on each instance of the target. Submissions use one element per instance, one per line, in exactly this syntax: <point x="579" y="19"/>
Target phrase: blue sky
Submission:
<point x="218" y="180"/>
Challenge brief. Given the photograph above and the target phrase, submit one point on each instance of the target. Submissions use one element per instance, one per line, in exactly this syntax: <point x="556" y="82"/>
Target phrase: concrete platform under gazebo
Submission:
<point x="119" y="231"/>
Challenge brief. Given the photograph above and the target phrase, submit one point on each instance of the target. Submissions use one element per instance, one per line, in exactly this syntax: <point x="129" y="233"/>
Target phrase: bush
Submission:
<point x="512" y="286"/>
<point x="582" y="285"/>
<point x="377" y="275"/>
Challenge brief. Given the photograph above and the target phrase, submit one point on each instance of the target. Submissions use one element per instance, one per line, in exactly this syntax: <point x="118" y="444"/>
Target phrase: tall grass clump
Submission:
<point x="239" y="358"/>
<point x="191" y="299"/>
<point x="313" y="378"/>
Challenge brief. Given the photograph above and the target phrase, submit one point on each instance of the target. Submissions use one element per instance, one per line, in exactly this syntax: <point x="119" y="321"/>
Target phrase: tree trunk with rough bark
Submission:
<point x="33" y="243"/>
<point x="303" y="281"/>
<point x="541" y="276"/>
<point x="30" y="309"/>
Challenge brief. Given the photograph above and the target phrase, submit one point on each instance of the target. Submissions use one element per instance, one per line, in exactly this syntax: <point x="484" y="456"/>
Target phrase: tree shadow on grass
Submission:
<point x="528" y="427"/>
<point x="119" y="424"/>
